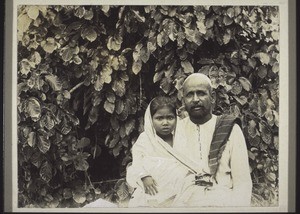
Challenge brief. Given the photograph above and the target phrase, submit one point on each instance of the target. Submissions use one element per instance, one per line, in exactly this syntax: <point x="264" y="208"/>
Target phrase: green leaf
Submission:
<point x="252" y="131"/>
<point x="35" y="58"/>
<point x="157" y="76"/>
<point x="262" y="71"/>
<point x="23" y="23"/>
<point x="93" y="114"/>
<point x="275" y="67"/>
<point x="89" y="34"/>
<point x="230" y="12"/>
<point x="255" y="141"/>
<point x="114" y="141"/>
<point x="209" y="23"/>
<point x="47" y="121"/>
<point x="81" y="165"/>
<point x="137" y="52"/>
<point x="83" y="142"/>
<point x="46" y="171"/>
<point x="117" y="149"/>
<point x="54" y="82"/>
<point x="236" y="88"/>
<point x="201" y="26"/>
<point x="33" y="108"/>
<point x="226" y="38"/>
<point x="79" y="197"/>
<point x="33" y="12"/>
<point x="275" y="35"/>
<point x="67" y="193"/>
<point x="136" y="67"/>
<point x="25" y="66"/>
<point x="110" y="97"/>
<point x="245" y="83"/>
<point x="263" y="57"/>
<point x="227" y="20"/>
<point x="98" y="85"/>
<point x="170" y="28"/>
<point x="105" y="8"/>
<point x="271" y="176"/>
<point x="119" y="87"/>
<point x="162" y="39"/>
<point x="31" y="139"/>
<point x="242" y="99"/>
<point x="49" y="45"/>
<point x="144" y="54"/>
<point x="36" y="159"/>
<point x="109" y="107"/>
<point x="251" y="155"/>
<point x="65" y="128"/>
<point x="124" y="76"/>
<point x="129" y="126"/>
<point x="269" y="116"/>
<point x="43" y="144"/>
<point x="77" y="60"/>
<point x="252" y="62"/>
<point x="67" y="94"/>
<point x="124" y="114"/>
<point x="166" y="84"/>
<point x="114" y="123"/>
<point x="74" y="26"/>
<point x="187" y="67"/>
<point x="123" y="192"/>
<point x="119" y="106"/>
<point x="106" y="74"/>
<point x="88" y="15"/>
<point x="114" y="44"/>
<point x="265" y="133"/>
<point x="276" y="142"/>
<point x="80" y="11"/>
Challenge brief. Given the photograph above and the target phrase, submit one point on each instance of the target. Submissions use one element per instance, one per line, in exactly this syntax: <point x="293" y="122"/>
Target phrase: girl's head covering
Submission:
<point x="158" y="144"/>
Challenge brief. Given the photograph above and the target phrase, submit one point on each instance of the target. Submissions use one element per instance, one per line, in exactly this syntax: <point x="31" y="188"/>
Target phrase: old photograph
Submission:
<point x="139" y="106"/>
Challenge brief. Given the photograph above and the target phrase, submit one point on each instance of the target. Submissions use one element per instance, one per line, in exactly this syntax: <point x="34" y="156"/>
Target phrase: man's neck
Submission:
<point x="202" y="120"/>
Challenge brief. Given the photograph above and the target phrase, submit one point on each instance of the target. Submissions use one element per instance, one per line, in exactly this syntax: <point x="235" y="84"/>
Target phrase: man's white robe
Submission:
<point x="233" y="185"/>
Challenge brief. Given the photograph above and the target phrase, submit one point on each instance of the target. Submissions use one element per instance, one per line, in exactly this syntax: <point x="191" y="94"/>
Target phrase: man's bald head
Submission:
<point x="198" y="97"/>
<point x="198" y="78"/>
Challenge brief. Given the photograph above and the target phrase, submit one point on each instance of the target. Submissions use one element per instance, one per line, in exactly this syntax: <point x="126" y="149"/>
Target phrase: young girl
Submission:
<point x="157" y="172"/>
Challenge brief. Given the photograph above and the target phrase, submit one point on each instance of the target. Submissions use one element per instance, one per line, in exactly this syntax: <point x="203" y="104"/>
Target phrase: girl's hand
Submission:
<point x="150" y="185"/>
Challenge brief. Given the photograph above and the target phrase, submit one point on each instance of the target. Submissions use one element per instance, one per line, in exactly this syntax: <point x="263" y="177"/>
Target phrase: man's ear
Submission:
<point x="213" y="97"/>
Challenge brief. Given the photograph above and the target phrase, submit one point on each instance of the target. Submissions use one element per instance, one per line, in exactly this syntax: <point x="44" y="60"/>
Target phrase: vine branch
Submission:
<point x="76" y="86"/>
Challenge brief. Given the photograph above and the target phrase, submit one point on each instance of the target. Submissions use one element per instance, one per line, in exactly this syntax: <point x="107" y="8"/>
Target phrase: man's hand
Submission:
<point x="150" y="185"/>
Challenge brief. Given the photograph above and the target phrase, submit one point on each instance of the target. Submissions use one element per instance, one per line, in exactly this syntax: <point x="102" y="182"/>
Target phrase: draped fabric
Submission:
<point x="232" y="184"/>
<point x="221" y="134"/>
<point x="174" y="168"/>
<point x="153" y="156"/>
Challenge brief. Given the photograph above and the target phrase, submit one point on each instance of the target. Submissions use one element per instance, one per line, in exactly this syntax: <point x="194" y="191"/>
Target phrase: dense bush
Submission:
<point x="86" y="74"/>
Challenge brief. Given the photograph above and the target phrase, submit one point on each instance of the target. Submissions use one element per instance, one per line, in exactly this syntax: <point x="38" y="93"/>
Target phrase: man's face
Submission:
<point x="197" y="98"/>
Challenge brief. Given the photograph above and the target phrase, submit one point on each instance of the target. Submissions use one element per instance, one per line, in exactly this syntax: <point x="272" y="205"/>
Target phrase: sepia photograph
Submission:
<point x="148" y="106"/>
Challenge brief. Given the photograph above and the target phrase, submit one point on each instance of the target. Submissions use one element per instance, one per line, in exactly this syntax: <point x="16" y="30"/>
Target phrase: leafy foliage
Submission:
<point x="93" y="69"/>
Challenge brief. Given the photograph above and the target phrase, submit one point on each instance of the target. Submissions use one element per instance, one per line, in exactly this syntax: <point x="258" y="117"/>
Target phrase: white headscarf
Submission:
<point x="159" y="144"/>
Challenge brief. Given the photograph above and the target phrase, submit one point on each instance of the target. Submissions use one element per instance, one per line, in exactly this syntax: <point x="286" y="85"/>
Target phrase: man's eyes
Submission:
<point x="198" y="93"/>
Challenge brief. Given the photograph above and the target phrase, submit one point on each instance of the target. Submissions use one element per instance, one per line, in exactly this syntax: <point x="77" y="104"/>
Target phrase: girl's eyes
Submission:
<point x="168" y="118"/>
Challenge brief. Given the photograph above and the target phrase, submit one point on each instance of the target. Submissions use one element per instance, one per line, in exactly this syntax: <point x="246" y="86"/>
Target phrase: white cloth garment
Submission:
<point x="233" y="185"/>
<point x="153" y="156"/>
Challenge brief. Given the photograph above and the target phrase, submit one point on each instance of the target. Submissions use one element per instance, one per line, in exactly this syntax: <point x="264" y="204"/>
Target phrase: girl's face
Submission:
<point x="164" y="121"/>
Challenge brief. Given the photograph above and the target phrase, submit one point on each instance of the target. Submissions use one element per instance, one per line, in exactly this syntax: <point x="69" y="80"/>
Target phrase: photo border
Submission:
<point x="287" y="110"/>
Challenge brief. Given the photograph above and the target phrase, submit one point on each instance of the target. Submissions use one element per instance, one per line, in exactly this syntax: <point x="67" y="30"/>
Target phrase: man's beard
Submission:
<point x="199" y="113"/>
